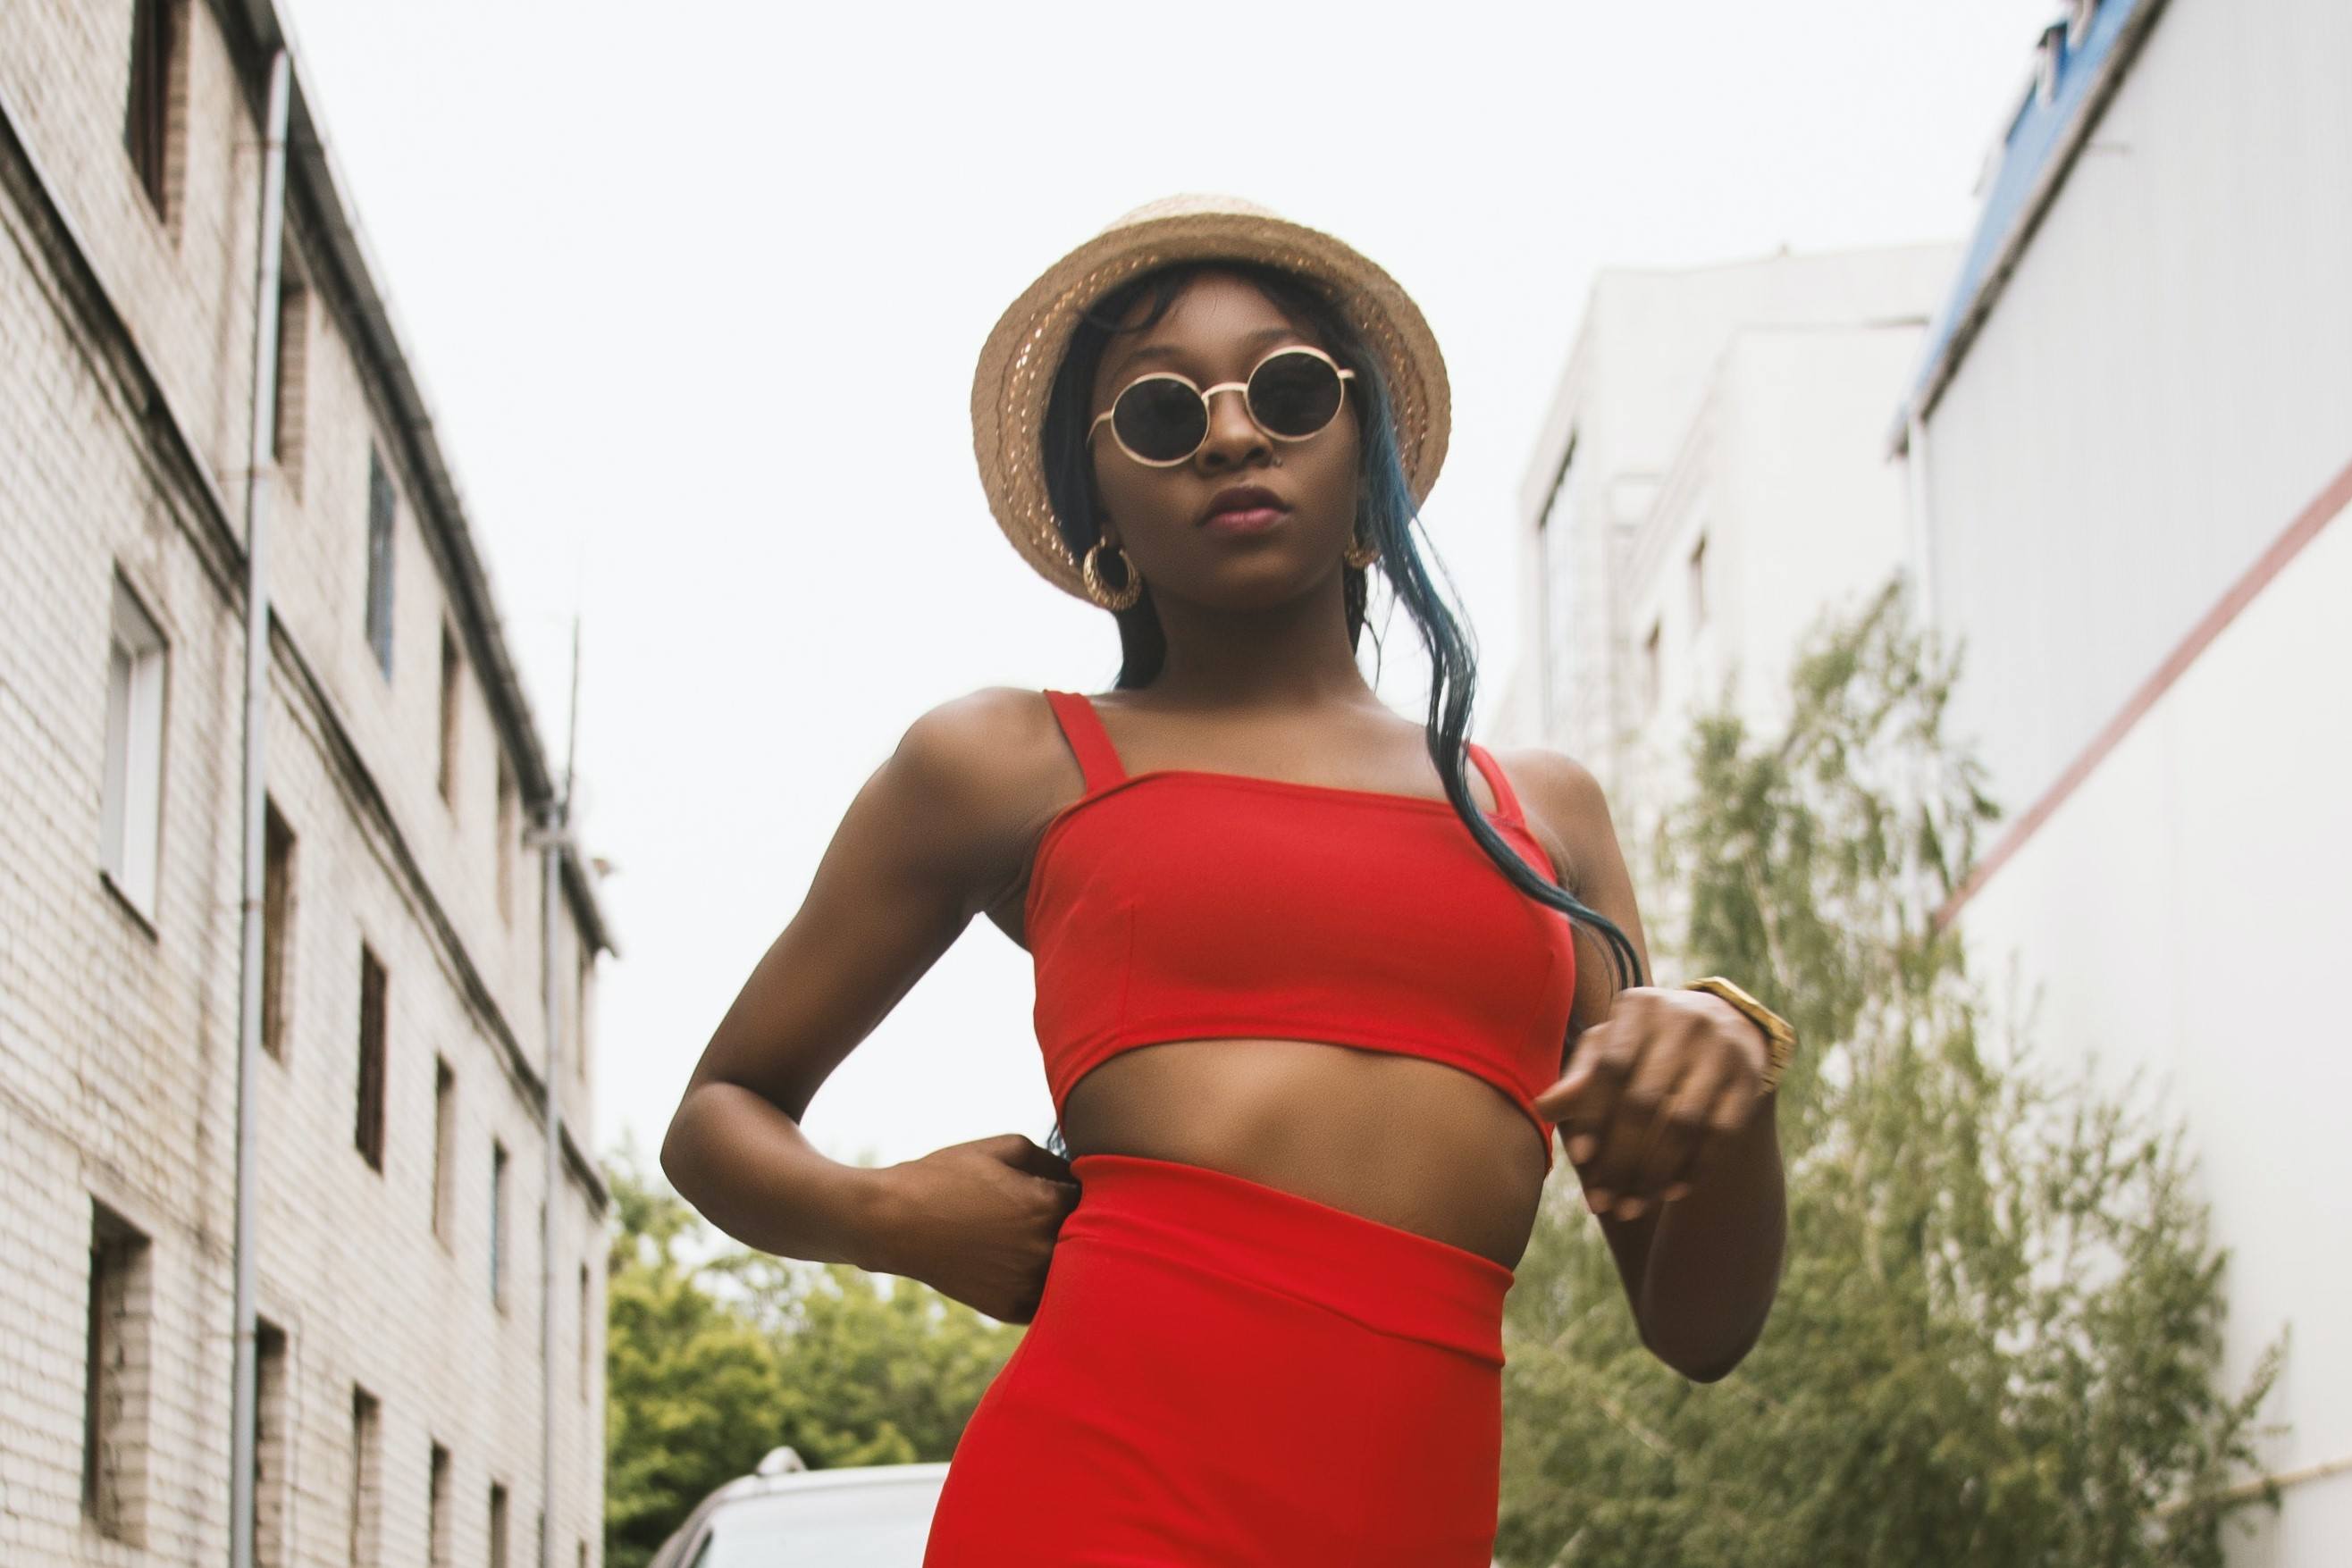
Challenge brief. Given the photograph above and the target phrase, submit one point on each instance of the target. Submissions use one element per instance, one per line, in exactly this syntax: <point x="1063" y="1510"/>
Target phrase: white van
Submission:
<point x="858" y="1516"/>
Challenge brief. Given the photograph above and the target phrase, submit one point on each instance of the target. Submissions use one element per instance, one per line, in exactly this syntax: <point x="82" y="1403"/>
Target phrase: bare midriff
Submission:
<point x="1402" y="1140"/>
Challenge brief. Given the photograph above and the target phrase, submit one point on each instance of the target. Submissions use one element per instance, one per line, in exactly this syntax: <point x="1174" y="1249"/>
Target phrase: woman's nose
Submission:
<point x="1233" y="436"/>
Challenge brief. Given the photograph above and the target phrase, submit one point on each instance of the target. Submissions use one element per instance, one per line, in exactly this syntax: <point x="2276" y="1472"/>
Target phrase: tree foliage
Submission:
<point x="717" y="1353"/>
<point x="1998" y="1334"/>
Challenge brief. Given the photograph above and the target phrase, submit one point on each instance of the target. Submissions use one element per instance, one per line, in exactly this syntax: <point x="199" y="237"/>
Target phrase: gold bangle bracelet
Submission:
<point x="1779" y="1038"/>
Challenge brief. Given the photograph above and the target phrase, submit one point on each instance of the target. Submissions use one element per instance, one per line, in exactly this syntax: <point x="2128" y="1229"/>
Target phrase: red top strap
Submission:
<point x="1507" y="804"/>
<point x="1083" y="728"/>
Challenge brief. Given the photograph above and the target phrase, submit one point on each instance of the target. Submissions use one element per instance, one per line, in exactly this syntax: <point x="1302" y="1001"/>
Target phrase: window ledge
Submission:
<point x="128" y="905"/>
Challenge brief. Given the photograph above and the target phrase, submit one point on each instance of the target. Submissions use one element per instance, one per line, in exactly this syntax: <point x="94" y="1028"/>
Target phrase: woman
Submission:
<point x="1302" y="998"/>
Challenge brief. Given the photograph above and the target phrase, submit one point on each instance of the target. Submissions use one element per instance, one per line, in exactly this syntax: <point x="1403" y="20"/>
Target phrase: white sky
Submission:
<point x="695" y="289"/>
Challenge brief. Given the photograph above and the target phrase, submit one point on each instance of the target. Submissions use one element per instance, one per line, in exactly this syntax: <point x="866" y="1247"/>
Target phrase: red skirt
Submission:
<point x="1223" y="1374"/>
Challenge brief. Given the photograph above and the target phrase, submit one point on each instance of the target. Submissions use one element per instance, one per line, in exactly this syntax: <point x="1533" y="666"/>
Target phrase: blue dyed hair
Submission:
<point x="1385" y="515"/>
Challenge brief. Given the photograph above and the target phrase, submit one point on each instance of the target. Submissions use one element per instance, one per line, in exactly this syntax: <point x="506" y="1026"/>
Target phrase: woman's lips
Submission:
<point x="1246" y="520"/>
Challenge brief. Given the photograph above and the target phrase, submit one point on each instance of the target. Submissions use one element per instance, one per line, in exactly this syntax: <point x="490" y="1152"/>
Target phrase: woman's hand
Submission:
<point x="1654" y="1088"/>
<point x="977" y="1221"/>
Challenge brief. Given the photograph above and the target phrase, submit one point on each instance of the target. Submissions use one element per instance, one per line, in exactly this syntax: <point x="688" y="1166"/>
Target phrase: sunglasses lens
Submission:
<point x="1160" y="420"/>
<point x="1294" y="395"/>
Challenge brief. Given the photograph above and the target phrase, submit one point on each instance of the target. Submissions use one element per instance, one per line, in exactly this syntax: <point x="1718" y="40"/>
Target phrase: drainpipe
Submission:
<point x="557" y="824"/>
<point x="1923" y="534"/>
<point x="259" y="474"/>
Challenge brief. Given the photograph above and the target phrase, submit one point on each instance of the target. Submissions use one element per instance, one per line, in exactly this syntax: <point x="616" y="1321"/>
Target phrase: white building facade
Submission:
<point x="1711" y="475"/>
<point x="2130" y="440"/>
<point x="400" y="1115"/>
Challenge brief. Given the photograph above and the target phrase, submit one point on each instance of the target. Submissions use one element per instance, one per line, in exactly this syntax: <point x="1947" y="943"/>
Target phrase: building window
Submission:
<point x="276" y="932"/>
<point x="271" y="1453"/>
<point x="452" y="683"/>
<point x="114" y="1443"/>
<point x="1652" y="657"/>
<point x="293" y="370"/>
<point x="155" y="121"/>
<point x="445" y="1132"/>
<point x="436" y="1510"/>
<point x="131" y="816"/>
<point x="368" y="1135"/>
<point x="506" y="838"/>
<point x="1699" y="583"/>
<point x="497" y="1525"/>
<point x="379" y="560"/>
<point x="586" y="1337"/>
<point x="367" y="1480"/>
<point x="498" y="1222"/>
<point x="579" y="1009"/>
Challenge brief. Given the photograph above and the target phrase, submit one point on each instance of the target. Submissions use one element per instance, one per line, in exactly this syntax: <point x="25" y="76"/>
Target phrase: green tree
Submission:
<point x="1998" y="1334"/>
<point x="692" y="1385"/>
<point x="878" y="1370"/>
<point x="717" y="1353"/>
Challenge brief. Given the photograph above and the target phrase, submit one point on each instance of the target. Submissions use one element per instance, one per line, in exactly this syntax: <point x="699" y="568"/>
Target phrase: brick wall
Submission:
<point x="119" y="1028"/>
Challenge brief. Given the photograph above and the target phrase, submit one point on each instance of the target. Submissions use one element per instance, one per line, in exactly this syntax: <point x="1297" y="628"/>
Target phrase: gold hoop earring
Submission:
<point x="1125" y="597"/>
<point x="1359" y="554"/>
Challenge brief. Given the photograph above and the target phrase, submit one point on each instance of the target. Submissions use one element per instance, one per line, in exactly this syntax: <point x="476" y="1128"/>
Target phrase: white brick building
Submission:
<point x="399" y="1116"/>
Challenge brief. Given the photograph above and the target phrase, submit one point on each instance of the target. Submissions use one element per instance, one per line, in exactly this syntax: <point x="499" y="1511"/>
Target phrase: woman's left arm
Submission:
<point x="1662" y="1114"/>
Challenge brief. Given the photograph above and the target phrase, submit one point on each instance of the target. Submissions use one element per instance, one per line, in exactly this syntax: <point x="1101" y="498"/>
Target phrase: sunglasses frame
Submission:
<point x="1208" y="413"/>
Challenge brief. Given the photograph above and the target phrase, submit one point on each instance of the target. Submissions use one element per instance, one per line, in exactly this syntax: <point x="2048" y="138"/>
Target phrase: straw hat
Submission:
<point x="1017" y="365"/>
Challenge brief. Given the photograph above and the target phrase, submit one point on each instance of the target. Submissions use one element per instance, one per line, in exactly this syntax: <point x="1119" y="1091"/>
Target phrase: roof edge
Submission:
<point x="1965" y="313"/>
<point x="312" y="170"/>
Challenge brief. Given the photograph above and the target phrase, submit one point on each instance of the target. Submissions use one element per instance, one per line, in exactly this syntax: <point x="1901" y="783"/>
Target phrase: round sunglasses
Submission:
<point x="1161" y="419"/>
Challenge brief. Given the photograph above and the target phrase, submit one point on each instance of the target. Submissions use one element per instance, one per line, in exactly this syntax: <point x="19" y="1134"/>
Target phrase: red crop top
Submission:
<point x="1182" y="904"/>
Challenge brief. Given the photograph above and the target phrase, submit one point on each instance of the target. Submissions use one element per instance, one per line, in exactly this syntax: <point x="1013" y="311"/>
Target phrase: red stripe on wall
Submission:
<point x="2325" y="507"/>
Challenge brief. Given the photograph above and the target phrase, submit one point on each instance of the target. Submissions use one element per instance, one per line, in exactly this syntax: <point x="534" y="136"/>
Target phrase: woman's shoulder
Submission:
<point x="1562" y="801"/>
<point x="986" y="741"/>
<point x="994" y="771"/>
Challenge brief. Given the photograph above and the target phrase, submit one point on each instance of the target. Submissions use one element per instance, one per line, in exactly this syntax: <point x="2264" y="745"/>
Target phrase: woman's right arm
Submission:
<point x="932" y="837"/>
